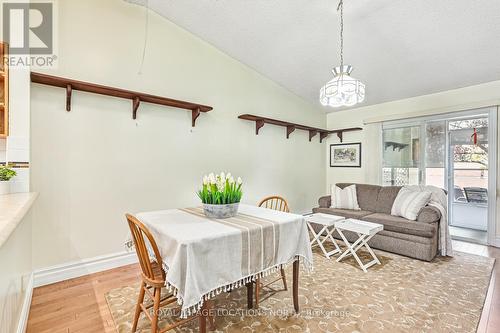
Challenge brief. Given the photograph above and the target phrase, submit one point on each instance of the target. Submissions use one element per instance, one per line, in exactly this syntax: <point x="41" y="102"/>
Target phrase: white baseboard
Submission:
<point x="82" y="267"/>
<point x="495" y="242"/>
<point x="25" y="310"/>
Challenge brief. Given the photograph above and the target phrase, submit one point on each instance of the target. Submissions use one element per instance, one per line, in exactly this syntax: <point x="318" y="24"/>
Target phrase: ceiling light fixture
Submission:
<point x="343" y="89"/>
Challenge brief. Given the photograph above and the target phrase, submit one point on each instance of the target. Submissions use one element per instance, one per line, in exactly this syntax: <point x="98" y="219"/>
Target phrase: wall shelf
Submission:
<point x="395" y="145"/>
<point x="290" y="127"/>
<point x="135" y="97"/>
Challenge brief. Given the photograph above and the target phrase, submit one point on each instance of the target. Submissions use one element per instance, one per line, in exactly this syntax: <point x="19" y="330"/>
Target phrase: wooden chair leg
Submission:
<point x="156" y="310"/>
<point x="283" y="277"/>
<point x="138" y="309"/>
<point x="257" y="292"/>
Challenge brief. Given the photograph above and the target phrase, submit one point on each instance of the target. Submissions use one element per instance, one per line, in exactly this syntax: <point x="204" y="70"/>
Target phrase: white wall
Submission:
<point x="95" y="163"/>
<point x="448" y="101"/>
<point x="16" y="263"/>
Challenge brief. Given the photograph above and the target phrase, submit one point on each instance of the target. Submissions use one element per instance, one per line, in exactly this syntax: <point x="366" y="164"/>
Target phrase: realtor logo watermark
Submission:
<point x="29" y="29"/>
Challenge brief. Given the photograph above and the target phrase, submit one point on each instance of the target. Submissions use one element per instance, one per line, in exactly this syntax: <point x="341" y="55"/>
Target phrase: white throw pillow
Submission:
<point x="408" y="203"/>
<point x="346" y="198"/>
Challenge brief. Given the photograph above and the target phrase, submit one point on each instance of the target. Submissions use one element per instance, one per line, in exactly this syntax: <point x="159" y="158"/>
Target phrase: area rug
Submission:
<point x="400" y="295"/>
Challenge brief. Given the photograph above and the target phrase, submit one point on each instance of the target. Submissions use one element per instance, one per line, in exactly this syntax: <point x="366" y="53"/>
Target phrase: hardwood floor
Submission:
<point x="78" y="305"/>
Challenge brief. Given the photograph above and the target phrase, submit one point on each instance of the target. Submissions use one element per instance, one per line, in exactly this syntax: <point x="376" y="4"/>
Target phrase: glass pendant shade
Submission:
<point x="343" y="89"/>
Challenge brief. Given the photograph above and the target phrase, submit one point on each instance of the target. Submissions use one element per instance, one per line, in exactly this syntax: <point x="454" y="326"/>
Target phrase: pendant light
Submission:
<point x="343" y="89"/>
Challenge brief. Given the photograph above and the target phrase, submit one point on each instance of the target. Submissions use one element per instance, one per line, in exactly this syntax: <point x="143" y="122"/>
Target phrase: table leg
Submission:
<point x="319" y="242"/>
<point x="296" y="285"/>
<point x="355" y="247"/>
<point x="370" y="250"/>
<point x="316" y="236"/>
<point x="349" y="245"/>
<point x="330" y="235"/>
<point x="203" y="320"/>
<point x="250" y="295"/>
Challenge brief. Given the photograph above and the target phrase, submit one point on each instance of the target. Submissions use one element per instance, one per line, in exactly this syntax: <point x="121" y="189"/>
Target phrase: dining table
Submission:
<point x="203" y="257"/>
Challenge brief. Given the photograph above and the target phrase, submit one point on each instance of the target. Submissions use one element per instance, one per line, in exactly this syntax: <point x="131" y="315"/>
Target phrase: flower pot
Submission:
<point x="221" y="211"/>
<point x="4" y="187"/>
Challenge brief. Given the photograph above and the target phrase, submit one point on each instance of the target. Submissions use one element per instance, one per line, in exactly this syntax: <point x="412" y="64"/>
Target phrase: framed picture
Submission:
<point x="345" y="155"/>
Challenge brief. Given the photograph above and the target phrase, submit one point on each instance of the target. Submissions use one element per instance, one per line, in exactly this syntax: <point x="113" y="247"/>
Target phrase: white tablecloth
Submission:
<point x="204" y="257"/>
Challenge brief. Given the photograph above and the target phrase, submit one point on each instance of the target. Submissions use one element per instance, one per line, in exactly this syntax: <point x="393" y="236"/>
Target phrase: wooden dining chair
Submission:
<point x="274" y="202"/>
<point x="153" y="280"/>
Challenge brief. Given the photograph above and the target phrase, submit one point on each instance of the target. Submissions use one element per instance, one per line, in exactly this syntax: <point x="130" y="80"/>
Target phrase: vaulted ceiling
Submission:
<point x="399" y="48"/>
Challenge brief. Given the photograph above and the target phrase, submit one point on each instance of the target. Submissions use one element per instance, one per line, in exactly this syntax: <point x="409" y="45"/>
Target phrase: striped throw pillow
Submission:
<point x="345" y="198"/>
<point x="408" y="203"/>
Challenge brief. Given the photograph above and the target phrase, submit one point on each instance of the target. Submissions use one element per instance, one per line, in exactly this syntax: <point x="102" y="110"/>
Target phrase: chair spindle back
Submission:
<point x="275" y="202"/>
<point x="141" y="235"/>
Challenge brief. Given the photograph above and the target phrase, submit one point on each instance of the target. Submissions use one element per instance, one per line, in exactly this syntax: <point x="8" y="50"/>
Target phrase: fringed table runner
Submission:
<point x="204" y="257"/>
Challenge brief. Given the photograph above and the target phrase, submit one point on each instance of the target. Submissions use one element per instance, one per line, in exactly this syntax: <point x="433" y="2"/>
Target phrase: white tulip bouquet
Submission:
<point x="220" y="189"/>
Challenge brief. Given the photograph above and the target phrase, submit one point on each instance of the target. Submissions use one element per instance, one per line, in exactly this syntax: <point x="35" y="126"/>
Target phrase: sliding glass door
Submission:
<point x="435" y="154"/>
<point x="469" y="166"/>
<point x="453" y="152"/>
<point x="414" y="154"/>
<point x="401" y="156"/>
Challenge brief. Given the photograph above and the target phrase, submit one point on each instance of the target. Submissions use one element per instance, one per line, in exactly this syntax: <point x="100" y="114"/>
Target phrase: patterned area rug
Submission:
<point x="401" y="295"/>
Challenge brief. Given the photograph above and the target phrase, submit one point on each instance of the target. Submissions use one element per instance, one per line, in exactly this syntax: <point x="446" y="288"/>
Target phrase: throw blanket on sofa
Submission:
<point x="440" y="202"/>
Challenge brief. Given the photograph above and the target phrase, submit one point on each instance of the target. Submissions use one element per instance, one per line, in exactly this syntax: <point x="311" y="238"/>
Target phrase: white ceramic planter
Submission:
<point x="221" y="211"/>
<point x="4" y="187"/>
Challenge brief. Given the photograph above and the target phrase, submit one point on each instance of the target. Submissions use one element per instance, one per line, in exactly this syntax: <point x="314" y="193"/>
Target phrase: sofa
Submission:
<point x="416" y="239"/>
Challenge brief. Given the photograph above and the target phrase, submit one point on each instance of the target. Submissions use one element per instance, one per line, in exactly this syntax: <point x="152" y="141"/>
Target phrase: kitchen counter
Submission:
<point x="13" y="208"/>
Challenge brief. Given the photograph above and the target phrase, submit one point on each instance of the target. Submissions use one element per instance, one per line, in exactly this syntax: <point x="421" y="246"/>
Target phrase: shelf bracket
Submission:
<point x="195" y="113"/>
<point x="69" y="90"/>
<point x="258" y="125"/>
<point x="340" y="135"/>
<point x="289" y="130"/>
<point x="312" y="134"/>
<point x="322" y="136"/>
<point x="135" y="105"/>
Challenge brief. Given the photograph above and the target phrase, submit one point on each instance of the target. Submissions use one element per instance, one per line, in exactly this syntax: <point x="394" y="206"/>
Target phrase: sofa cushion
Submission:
<point x="348" y="213"/>
<point x="367" y="195"/>
<point x="402" y="225"/>
<point x="429" y="214"/>
<point x="325" y="201"/>
<point x="385" y="199"/>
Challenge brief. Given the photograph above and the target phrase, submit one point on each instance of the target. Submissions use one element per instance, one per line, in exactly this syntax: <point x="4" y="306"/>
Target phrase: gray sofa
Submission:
<point x="417" y="239"/>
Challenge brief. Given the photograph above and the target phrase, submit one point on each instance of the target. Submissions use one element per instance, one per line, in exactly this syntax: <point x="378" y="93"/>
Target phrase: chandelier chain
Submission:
<point x="341" y="8"/>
